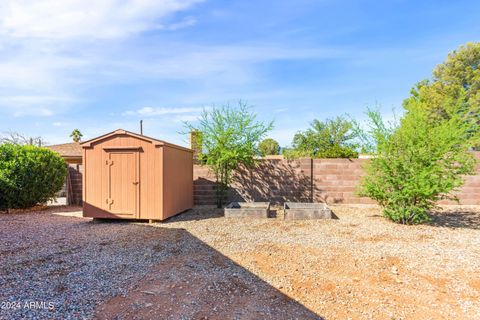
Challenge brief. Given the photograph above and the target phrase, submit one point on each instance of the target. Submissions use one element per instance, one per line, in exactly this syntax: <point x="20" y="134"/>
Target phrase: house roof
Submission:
<point x="156" y="142"/>
<point x="67" y="150"/>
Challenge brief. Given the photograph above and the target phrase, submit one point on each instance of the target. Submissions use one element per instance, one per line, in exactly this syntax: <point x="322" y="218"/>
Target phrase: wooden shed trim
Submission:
<point x="122" y="148"/>
<point x="156" y="142"/>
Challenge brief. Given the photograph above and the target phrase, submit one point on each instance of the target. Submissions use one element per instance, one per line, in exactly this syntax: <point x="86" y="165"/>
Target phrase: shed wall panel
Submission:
<point x="132" y="176"/>
<point x="177" y="181"/>
<point x="149" y="206"/>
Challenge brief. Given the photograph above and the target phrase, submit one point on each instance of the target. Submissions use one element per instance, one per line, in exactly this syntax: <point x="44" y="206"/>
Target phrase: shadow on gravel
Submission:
<point x="198" y="282"/>
<point x="198" y="213"/>
<point x="76" y="265"/>
<point x="460" y="218"/>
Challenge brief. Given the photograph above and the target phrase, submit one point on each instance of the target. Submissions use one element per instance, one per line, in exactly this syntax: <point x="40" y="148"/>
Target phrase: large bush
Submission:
<point x="29" y="175"/>
<point x="269" y="147"/>
<point x="417" y="163"/>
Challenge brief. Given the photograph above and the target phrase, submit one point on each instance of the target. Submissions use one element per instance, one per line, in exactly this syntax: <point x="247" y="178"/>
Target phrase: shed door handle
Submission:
<point x="135" y="182"/>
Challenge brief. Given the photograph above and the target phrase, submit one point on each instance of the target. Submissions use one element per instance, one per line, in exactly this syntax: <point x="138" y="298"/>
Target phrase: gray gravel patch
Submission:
<point x="63" y="267"/>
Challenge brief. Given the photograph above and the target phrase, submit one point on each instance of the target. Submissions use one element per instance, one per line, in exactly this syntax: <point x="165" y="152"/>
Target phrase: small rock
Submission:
<point x="148" y="292"/>
<point x="394" y="270"/>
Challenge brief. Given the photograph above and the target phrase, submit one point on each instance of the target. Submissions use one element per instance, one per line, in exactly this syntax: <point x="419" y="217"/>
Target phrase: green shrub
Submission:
<point x="332" y="138"/>
<point x="416" y="164"/>
<point x="269" y="147"/>
<point x="29" y="175"/>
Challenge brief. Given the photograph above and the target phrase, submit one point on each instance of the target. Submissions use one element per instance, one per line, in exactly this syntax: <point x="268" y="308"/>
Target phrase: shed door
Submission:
<point x="123" y="184"/>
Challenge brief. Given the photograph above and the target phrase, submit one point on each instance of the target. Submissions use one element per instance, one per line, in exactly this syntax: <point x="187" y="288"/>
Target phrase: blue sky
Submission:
<point x="103" y="65"/>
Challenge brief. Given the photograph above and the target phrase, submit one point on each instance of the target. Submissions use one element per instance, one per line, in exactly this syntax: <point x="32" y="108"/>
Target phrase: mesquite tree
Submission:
<point x="417" y="163"/>
<point x="229" y="139"/>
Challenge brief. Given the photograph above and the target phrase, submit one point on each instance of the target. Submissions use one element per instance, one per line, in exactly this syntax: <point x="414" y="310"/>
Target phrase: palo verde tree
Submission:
<point x="332" y="138"/>
<point x="269" y="147"/>
<point x="416" y="163"/>
<point x="375" y="130"/>
<point x="229" y="139"/>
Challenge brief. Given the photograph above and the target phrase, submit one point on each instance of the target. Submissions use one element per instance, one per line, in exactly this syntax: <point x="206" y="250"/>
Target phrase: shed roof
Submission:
<point x="67" y="150"/>
<point x="156" y="142"/>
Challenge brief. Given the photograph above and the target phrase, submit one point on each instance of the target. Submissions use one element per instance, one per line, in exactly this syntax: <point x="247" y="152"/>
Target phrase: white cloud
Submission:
<point x="220" y="64"/>
<point x="150" y="112"/>
<point x="36" y="111"/>
<point x="68" y="19"/>
<point x="185" y="23"/>
<point x="52" y="52"/>
<point x="53" y="49"/>
<point x="32" y="105"/>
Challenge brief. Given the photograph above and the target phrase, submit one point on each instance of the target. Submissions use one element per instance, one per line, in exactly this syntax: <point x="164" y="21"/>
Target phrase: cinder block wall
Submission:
<point x="277" y="180"/>
<point x="469" y="193"/>
<point x="336" y="180"/>
<point x="74" y="184"/>
<point x="321" y="180"/>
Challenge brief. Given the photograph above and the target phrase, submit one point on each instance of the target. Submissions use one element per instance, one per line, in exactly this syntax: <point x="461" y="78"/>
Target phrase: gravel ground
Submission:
<point x="201" y="265"/>
<point x="72" y="263"/>
<point x="359" y="266"/>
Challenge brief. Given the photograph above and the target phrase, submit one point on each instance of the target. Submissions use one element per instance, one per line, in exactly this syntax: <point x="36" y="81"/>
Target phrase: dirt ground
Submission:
<point x="359" y="266"/>
<point x="204" y="266"/>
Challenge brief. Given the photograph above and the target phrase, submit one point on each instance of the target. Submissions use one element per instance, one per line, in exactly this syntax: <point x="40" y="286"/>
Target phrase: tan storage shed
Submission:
<point x="131" y="176"/>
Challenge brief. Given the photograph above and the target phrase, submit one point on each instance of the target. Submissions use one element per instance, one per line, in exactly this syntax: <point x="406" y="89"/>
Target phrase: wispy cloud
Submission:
<point x="35" y="105"/>
<point x="87" y="43"/>
<point x="69" y="19"/>
<point x="214" y="65"/>
<point x="185" y="23"/>
<point x="151" y="112"/>
<point x="52" y="49"/>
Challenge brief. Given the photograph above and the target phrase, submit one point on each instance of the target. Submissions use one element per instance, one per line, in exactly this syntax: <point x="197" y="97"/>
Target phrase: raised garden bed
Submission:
<point x="306" y="211"/>
<point x="247" y="210"/>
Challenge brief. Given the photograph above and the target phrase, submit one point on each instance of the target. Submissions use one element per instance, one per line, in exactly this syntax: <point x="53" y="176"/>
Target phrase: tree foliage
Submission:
<point x="453" y="90"/>
<point x="332" y="138"/>
<point x="76" y="135"/>
<point x="229" y="139"/>
<point x="376" y="128"/>
<point x="268" y="147"/>
<point x="417" y="163"/>
<point x="29" y="175"/>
